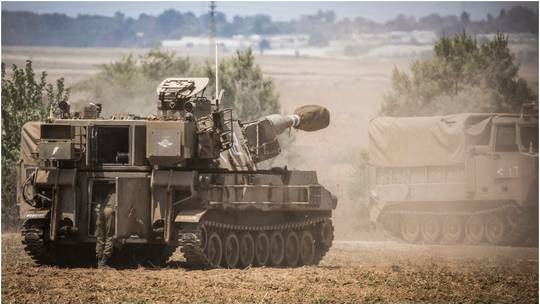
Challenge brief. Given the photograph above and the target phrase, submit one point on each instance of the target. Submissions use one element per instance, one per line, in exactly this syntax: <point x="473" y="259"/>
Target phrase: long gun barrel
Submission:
<point x="283" y="122"/>
<point x="306" y="118"/>
<point x="262" y="134"/>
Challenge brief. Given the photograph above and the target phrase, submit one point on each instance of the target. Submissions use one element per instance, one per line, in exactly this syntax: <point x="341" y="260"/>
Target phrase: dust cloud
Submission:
<point x="351" y="88"/>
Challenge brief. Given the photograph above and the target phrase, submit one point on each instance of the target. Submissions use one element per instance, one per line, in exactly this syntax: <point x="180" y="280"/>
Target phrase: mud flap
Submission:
<point x="57" y="179"/>
<point x="132" y="212"/>
<point x="164" y="183"/>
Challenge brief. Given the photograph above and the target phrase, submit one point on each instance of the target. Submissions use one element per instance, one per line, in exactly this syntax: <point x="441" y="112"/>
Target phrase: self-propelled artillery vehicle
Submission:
<point x="186" y="177"/>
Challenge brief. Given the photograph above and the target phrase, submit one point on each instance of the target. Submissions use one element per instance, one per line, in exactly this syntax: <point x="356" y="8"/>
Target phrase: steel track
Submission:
<point x="192" y="244"/>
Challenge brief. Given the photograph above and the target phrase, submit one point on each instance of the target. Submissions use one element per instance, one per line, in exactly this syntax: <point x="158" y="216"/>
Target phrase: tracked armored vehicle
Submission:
<point x="186" y="177"/>
<point x="467" y="178"/>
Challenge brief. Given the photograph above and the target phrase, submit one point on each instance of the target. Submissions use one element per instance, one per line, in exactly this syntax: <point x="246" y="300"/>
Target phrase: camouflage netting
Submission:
<point x="313" y="117"/>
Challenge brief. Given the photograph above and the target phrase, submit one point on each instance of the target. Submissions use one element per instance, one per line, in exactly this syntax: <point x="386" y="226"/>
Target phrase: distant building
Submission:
<point x="240" y="42"/>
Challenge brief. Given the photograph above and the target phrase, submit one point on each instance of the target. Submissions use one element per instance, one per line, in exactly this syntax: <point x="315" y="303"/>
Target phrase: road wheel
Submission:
<point x="262" y="249"/>
<point x="277" y="248"/>
<point x="307" y="248"/>
<point x="231" y="250"/>
<point x="292" y="249"/>
<point x="214" y="249"/>
<point x="431" y="229"/>
<point x="410" y="228"/>
<point x="474" y="230"/>
<point x="496" y="229"/>
<point x="247" y="249"/>
<point x="452" y="229"/>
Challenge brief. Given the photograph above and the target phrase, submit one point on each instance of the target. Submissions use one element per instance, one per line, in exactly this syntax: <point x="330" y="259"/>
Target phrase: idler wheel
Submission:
<point x="517" y="222"/>
<point x="232" y="251"/>
<point x="307" y="248"/>
<point x="262" y="249"/>
<point x="474" y="230"/>
<point x="292" y="249"/>
<point x="277" y="248"/>
<point x="410" y="228"/>
<point x="204" y="237"/>
<point x="431" y="229"/>
<point x="496" y="229"/>
<point x="327" y="234"/>
<point x="514" y="217"/>
<point x="452" y="229"/>
<point x="214" y="249"/>
<point x="247" y="249"/>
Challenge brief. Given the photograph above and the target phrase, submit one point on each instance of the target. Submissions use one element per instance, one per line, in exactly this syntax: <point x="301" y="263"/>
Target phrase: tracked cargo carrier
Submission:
<point x="185" y="177"/>
<point x="467" y="178"/>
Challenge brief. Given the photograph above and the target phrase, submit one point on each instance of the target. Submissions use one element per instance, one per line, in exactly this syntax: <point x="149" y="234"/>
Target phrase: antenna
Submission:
<point x="212" y="25"/>
<point x="217" y="77"/>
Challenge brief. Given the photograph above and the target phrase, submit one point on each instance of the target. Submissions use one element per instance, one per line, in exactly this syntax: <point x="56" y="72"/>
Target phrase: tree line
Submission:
<point x="27" y="28"/>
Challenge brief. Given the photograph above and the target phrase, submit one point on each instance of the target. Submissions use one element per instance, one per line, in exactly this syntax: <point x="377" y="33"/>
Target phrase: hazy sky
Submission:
<point x="376" y="11"/>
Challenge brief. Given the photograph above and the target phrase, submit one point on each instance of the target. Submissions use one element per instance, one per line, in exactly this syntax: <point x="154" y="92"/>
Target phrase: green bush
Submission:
<point x="25" y="97"/>
<point x="463" y="76"/>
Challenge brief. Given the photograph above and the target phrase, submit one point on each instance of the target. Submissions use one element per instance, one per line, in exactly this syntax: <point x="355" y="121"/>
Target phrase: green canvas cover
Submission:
<point x="421" y="141"/>
<point x="30" y="135"/>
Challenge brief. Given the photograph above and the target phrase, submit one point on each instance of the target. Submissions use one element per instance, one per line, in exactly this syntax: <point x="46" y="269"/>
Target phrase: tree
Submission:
<point x="158" y="65"/>
<point x="463" y="76"/>
<point x="247" y="92"/>
<point x="264" y="45"/>
<point x="318" y="39"/>
<point x="465" y="18"/>
<point x="25" y="97"/>
<point x="402" y="23"/>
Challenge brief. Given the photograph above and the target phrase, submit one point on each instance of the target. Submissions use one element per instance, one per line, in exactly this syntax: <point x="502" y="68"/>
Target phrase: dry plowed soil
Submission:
<point x="352" y="272"/>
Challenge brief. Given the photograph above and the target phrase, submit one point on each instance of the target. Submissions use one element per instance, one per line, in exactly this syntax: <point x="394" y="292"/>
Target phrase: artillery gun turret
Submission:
<point x="185" y="177"/>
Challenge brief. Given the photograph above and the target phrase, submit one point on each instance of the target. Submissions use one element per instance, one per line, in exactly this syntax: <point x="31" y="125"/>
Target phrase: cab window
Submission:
<point x="112" y="145"/>
<point x="505" y="139"/>
<point x="528" y="136"/>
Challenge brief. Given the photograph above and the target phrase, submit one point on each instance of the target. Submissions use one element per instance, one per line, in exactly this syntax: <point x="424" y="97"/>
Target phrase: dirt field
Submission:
<point x="352" y="272"/>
